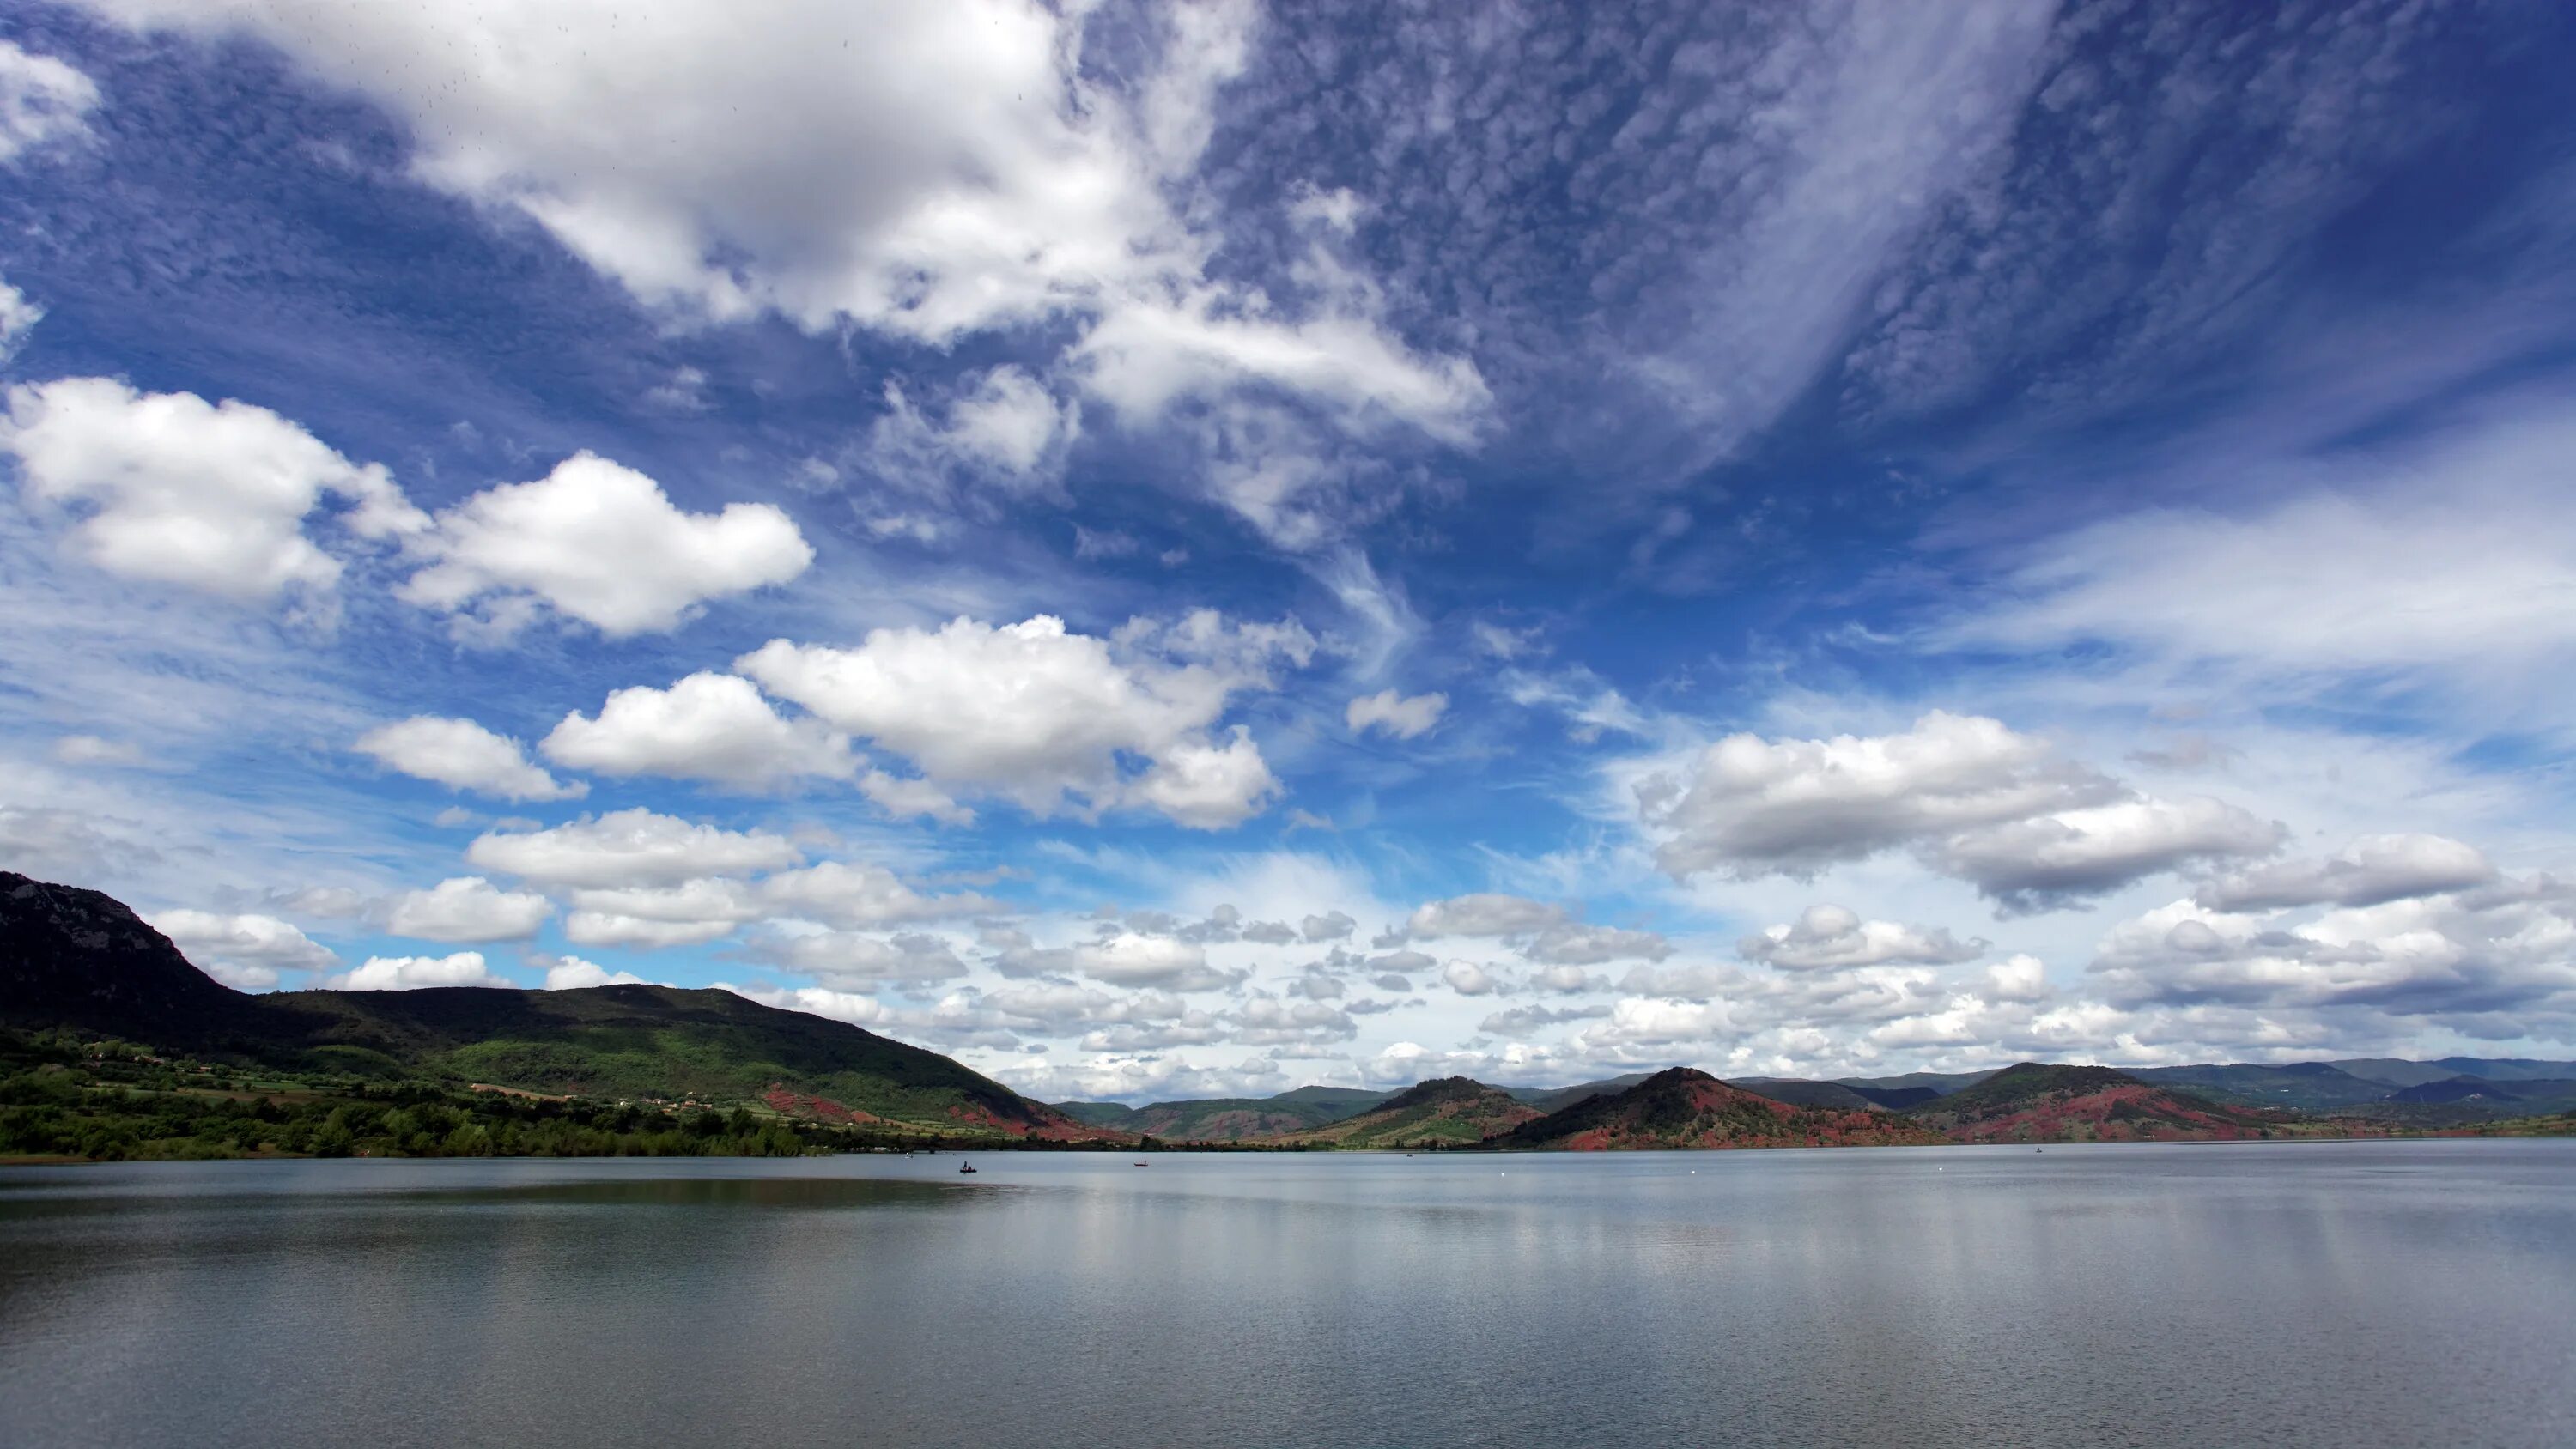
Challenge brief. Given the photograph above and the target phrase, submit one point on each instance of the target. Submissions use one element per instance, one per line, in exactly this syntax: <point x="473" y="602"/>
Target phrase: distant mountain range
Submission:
<point x="76" y="961"/>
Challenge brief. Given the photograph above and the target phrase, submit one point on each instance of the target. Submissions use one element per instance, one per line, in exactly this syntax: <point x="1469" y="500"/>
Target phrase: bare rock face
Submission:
<point x="76" y="958"/>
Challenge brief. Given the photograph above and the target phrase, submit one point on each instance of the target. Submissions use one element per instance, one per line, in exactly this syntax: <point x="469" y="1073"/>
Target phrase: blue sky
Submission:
<point x="1176" y="551"/>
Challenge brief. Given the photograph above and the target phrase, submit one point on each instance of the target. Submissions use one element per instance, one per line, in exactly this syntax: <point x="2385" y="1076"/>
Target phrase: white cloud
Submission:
<point x="600" y="543"/>
<point x="244" y="951"/>
<point x="1971" y="798"/>
<point x="838" y="893"/>
<point x="1001" y="427"/>
<point x="1042" y="715"/>
<point x="1469" y="979"/>
<point x="1827" y="937"/>
<point x="571" y="973"/>
<point x="844" y="958"/>
<point x="2497" y="962"/>
<point x="1481" y="915"/>
<point x="2372" y="870"/>
<point x="18" y="316"/>
<point x="1405" y="717"/>
<point x="1574" y="943"/>
<point x="706" y="727"/>
<point x="2034" y="864"/>
<point x="2017" y="979"/>
<point x="1135" y="959"/>
<point x="849" y="1006"/>
<point x="462" y="755"/>
<point x="604" y="928"/>
<point x="42" y="101"/>
<point x="468" y="909"/>
<point x="90" y="750"/>
<point x="1750" y="807"/>
<point x="629" y="848"/>
<point x="411" y="973"/>
<point x="1331" y="926"/>
<point x="926" y="172"/>
<point x="2460" y="561"/>
<point x="172" y="489"/>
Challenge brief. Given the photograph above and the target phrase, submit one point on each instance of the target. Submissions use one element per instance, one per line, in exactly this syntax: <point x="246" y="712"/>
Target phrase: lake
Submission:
<point x="2330" y="1294"/>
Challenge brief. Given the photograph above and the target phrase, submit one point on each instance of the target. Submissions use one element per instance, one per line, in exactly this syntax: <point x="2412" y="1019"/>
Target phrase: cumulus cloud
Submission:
<point x="462" y="755"/>
<point x="2374" y="869"/>
<point x="1469" y="979"/>
<point x="846" y="958"/>
<point x="1749" y="806"/>
<point x="1539" y="931"/>
<point x="601" y="543"/>
<point x="571" y="973"/>
<point x="1331" y="926"/>
<point x="244" y="951"/>
<point x="629" y="848"/>
<point x="2017" y="979"/>
<point x="43" y="101"/>
<point x="411" y="973"/>
<point x="1972" y="798"/>
<point x="643" y="933"/>
<point x="1404" y="717"/>
<point x="1481" y="915"/>
<point x="1827" y="937"/>
<point x="2490" y="962"/>
<point x="849" y="1006"/>
<point x="2028" y="865"/>
<point x="468" y="909"/>
<point x="1044" y="716"/>
<point x="706" y="727"/>
<point x="1134" y="959"/>
<point x="172" y="489"/>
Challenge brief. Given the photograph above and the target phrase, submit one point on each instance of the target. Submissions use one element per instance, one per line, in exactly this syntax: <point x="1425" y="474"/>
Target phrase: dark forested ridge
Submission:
<point x="78" y="961"/>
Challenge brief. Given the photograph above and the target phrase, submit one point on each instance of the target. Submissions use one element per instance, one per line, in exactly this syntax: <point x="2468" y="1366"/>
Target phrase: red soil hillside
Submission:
<point x="2035" y="1103"/>
<point x="1685" y="1108"/>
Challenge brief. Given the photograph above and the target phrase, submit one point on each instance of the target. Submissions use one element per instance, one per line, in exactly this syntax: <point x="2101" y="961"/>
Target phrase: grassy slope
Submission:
<point x="1447" y="1112"/>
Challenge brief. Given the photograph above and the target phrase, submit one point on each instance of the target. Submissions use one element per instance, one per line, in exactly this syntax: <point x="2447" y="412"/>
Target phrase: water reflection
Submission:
<point x="2389" y="1293"/>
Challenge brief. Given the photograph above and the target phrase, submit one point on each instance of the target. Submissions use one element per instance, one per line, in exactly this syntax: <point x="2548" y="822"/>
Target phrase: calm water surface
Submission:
<point x="2345" y="1295"/>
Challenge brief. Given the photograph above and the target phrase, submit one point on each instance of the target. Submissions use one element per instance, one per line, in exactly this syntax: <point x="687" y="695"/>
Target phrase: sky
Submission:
<point x="1192" y="550"/>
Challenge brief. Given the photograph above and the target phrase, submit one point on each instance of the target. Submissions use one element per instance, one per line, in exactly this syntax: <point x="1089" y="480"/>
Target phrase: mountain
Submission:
<point x="1445" y="1112"/>
<point x="1832" y="1095"/>
<point x="1557" y="1099"/>
<point x="79" y="960"/>
<point x="1688" y="1108"/>
<point x="1228" y="1119"/>
<point x="1909" y="1084"/>
<point x="2305" y="1086"/>
<point x="2030" y="1102"/>
<point x="2399" y="1073"/>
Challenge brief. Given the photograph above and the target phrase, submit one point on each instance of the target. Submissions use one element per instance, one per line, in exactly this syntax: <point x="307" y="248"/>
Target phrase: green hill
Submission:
<point x="1687" y="1108"/>
<point x="81" y="961"/>
<point x="1446" y="1112"/>
<point x="1228" y="1119"/>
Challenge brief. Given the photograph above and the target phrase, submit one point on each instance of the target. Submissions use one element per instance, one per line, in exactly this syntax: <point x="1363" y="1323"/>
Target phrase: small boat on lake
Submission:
<point x="965" y="1167"/>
